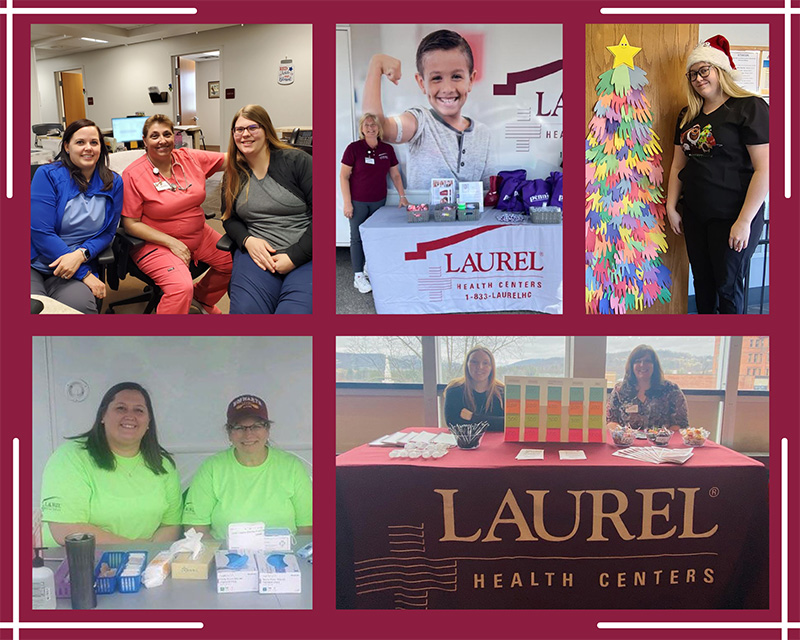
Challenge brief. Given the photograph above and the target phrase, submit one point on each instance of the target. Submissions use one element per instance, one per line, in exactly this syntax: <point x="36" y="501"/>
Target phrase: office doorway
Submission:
<point x="186" y="102"/>
<point x="196" y="79"/>
<point x="72" y="105"/>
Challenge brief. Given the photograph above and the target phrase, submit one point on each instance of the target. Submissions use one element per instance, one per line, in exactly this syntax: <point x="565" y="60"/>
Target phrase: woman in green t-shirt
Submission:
<point x="251" y="481"/>
<point x="114" y="481"/>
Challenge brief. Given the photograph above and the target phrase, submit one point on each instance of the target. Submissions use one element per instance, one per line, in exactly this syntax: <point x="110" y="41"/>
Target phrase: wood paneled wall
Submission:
<point x="663" y="55"/>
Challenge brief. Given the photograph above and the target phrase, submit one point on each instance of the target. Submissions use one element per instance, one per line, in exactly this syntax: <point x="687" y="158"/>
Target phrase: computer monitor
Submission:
<point x="127" y="129"/>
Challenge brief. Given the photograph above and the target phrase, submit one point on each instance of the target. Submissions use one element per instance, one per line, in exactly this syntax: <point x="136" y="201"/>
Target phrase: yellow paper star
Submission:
<point x="623" y="53"/>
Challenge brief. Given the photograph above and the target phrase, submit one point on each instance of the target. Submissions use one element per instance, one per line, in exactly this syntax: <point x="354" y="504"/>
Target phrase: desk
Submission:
<point x="192" y="137"/>
<point x="193" y="594"/>
<point x="52" y="306"/>
<point x="479" y="529"/>
<point x="452" y="267"/>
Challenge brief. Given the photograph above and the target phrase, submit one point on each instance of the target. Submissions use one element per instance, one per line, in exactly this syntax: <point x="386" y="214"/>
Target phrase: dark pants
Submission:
<point x="254" y="290"/>
<point x="718" y="270"/>
<point x="72" y="292"/>
<point x="361" y="211"/>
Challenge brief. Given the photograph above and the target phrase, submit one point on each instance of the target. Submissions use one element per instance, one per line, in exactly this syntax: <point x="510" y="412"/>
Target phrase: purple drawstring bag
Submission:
<point x="535" y="193"/>
<point x="510" y="196"/>
<point x="555" y="182"/>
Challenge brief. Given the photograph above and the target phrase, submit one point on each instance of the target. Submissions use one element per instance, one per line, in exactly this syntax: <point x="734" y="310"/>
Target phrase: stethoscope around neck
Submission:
<point x="175" y="163"/>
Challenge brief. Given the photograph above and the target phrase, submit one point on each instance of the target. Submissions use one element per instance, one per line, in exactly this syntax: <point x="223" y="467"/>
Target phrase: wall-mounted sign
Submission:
<point x="286" y="72"/>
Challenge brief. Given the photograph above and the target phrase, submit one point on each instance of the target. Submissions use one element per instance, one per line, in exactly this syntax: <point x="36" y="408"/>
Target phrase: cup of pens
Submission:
<point x="469" y="435"/>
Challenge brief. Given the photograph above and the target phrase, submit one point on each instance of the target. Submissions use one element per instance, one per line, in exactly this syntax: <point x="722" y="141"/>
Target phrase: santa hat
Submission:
<point x="717" y="51"/>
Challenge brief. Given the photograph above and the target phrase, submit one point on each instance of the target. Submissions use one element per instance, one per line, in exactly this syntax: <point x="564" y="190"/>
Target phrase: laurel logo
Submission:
<point x="51" y="504"/>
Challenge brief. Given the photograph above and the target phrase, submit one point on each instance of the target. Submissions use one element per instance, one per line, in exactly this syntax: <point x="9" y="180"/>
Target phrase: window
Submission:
<point x="382" y="359"/>
<point x="691" y="362"/>
<point x="514" y="355"/>
<point x="398" y="359"/>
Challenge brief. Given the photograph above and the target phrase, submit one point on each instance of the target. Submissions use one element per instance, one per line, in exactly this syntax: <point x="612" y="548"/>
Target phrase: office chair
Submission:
<point x="122" y="246"/>
<point x="105" y="259"/>
<point x="302" y="139"/>
<point x="226" y="243"/>
<point x="46" y="129"/>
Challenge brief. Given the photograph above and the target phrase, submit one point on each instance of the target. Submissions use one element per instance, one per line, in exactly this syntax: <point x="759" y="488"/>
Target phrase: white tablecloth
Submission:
<point x="452" y="267"/>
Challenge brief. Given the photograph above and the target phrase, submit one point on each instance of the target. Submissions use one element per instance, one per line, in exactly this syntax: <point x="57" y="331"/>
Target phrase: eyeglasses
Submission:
<point x="702" y="72"/>
<point x="252" y="428"/>
<point x="239" y="131"/>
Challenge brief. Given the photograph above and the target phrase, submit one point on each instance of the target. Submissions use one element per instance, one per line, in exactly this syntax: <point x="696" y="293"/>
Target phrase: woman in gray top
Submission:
<point x="266" y="210"/>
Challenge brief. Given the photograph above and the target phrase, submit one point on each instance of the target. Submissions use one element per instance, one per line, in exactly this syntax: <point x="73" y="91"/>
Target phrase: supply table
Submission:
<point x="462" y="266"/>
<point x="193" y="594"/>
<point x="479" y="529"/>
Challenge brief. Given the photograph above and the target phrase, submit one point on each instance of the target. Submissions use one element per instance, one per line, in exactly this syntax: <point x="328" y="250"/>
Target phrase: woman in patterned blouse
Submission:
<point x="644" y="399"/>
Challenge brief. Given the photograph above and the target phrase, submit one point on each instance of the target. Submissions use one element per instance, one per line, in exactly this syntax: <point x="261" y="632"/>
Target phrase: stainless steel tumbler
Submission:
<point x="80" y="557"/>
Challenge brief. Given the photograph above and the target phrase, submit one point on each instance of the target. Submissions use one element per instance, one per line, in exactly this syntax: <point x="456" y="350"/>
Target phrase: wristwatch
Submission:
<point x="85" y="253"/>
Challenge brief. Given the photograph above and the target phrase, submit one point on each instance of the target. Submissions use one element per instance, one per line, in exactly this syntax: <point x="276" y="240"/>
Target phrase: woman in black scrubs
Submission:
<point x="720" y="172"/>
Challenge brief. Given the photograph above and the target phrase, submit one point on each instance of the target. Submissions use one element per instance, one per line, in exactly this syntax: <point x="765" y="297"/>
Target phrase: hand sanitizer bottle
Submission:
<point x="44" y="584"/>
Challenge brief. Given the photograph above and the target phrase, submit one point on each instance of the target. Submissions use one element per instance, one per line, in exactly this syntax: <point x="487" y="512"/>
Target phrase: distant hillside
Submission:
<point x="371" y="367"/>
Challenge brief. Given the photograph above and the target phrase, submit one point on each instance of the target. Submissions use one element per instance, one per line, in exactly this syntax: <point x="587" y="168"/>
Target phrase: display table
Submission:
<point x="479" y="529"/>
<point x="192" y="594"/>
<point x="452" y="267"/>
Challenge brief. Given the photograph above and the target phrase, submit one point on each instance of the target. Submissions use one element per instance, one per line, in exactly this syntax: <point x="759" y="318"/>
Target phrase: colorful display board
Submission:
<point x="625" y="214"/>
<point x="555" y="409"/>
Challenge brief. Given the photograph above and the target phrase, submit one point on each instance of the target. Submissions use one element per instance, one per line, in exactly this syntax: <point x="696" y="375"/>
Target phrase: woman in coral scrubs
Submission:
<point x="164" y="191"/>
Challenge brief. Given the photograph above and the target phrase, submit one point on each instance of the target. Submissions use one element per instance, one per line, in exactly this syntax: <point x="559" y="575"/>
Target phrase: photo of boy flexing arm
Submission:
<point x="442" y="142"/>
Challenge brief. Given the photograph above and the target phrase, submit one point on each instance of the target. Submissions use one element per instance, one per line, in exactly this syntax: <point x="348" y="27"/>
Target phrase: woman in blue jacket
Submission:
<point x="75" y="208"/>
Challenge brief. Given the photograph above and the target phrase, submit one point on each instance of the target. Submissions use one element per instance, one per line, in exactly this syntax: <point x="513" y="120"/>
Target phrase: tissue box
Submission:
<point x="278" y="540"/>
<point x="236" y="580"/>
<point x="278" y="573"/>
<point x="184" y="568"/>
<point x="246" y="535"/>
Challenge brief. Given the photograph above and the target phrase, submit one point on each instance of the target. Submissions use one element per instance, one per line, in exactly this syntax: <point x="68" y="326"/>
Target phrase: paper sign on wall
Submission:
<point x="555" y="409"/>
<point x="286" y="71"/>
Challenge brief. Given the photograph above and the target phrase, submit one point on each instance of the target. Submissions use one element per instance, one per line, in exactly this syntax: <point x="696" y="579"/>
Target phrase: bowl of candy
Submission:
<point x="418" y="213"/>
<point x="694" y="436"/>
<point x="659" y="436"/>
<point x="622" y="436"/>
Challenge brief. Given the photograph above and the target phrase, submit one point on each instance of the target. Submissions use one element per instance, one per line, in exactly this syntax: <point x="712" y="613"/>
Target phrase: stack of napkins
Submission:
<point x="656" y="455"/>
<point x="401" y="438"/>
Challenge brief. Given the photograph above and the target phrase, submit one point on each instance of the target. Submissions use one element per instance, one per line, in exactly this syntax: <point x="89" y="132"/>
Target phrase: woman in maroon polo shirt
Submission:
<point x="365" y="164"/>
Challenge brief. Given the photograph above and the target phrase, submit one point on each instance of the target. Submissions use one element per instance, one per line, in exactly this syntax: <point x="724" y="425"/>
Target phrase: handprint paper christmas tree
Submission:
<point x="625" y="212"/>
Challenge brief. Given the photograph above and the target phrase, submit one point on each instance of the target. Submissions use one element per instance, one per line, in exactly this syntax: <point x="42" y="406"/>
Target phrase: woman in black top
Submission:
<point x="720" y="170"/>
<point x="266" y="210"/>
<point x="645" y="399"/>
<point x="477" y="396"/>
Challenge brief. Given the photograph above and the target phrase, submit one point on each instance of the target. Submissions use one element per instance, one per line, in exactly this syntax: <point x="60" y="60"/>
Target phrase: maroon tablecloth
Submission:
<point x="479" y="529"/>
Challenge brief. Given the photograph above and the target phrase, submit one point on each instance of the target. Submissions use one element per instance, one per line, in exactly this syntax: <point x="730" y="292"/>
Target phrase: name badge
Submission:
<point x="369" y="160"/>
<point x="163" y="185"/>
<point x="632" y="408"/>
